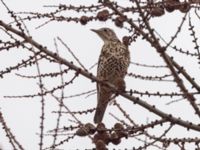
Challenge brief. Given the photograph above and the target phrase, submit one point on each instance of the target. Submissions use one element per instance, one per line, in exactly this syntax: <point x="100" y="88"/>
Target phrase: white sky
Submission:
<point x="22" y="115"/>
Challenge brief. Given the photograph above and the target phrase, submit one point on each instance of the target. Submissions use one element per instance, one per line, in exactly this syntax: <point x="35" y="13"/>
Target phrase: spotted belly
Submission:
<point x="112" y="68"/>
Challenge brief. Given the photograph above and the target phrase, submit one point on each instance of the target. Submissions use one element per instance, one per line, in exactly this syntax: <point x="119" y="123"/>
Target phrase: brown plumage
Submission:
<point x="112" y="67"/>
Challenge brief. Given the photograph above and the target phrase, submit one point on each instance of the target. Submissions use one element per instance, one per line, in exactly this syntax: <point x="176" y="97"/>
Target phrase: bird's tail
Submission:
<point x="98" y="117"/>
<point x="103" y="99"/>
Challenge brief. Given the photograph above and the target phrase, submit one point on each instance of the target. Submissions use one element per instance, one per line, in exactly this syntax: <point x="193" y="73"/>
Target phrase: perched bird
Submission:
<point x="112" y="67"/>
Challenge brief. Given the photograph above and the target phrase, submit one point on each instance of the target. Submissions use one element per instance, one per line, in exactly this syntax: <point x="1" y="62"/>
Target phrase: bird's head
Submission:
<point x="106" y="34"/>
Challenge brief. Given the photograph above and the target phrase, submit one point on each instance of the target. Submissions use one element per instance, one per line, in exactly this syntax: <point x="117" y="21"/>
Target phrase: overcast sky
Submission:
<point x="22" y="115"/>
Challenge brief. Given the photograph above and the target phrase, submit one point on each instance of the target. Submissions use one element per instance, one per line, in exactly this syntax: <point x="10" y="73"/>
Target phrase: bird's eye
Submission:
<point x="105" y="30"/>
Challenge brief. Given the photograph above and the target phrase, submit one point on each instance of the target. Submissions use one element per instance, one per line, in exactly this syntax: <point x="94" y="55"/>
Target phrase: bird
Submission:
<point x="112" y="67"/>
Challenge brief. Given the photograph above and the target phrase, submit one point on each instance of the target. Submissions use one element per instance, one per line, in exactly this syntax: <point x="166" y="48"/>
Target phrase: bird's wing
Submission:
<point x="99" y="70"/>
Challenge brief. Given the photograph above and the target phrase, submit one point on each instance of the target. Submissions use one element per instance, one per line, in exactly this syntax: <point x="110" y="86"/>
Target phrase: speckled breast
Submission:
<point x="114" y="61"/>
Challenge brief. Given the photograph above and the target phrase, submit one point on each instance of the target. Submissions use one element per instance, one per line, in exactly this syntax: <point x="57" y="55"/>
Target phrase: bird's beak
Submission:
<point x="96" y="31"/>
